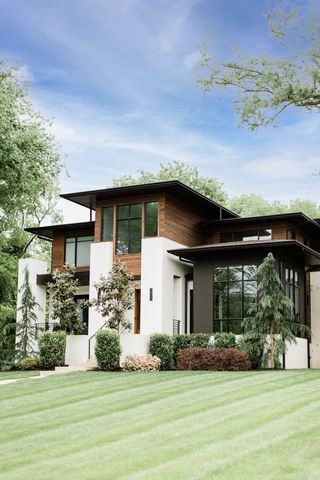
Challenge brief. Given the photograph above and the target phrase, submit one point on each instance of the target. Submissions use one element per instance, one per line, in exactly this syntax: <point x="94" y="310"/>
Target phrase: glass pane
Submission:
<point x="135" y="235"/>
<point x="235" y="300"/>
<point x="70" y="251"/>
<point x="235" y="326"/>
<point x="249" y="296"/>
<point x="220" y="300"/>
<point x="135" y="210"/>
<point x="287" y="275"/>
<point x="265" y="234"/>
<point x="122" y="212"/>
<point x="122" y="237"/>
<point x="296" y="278"/>
<point x="85" y="239"/>
<point x="297" y="300"/>
<point x="107" y="224"/>
<point x="235" y="273"/>
<point x="220" y="326"/>
<point x="247" y="236"/>
<point x="225" y="237"/>
<point x="249" y="272"/>
<point x="83" y="253"/>
<point x="220" y="274"/>
<point x="151" y="219"/>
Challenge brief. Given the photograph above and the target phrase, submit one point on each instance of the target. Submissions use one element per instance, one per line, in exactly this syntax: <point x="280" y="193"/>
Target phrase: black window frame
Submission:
<point x="232" y="235"/>
<point x="293" y="291"/>
<point x="128" y="219"/>
<point x="145" y="218"/>
<point x="111" y="208"/>
<point x="76" y="249"/>
<point x="83" y="297"/>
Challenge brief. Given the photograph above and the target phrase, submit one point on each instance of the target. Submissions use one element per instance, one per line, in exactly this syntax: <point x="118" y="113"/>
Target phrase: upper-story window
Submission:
<point x="107" y="224"/>
<point x="77" y="251"/>
<point x="129" y="225"/>
<point x="151" y="219"/>
<point x="245" y="236"/>
<point x="293" y="290"/>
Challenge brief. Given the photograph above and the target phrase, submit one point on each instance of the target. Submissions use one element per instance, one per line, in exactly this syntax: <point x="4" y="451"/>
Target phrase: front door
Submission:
<point x="137" y="301"/>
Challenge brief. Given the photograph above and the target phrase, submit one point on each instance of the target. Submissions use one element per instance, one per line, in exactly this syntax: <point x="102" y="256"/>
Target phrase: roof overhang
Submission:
<point x="47" y="232"/>
<point x="175" y="188"/>
<point x="311" y="257"/>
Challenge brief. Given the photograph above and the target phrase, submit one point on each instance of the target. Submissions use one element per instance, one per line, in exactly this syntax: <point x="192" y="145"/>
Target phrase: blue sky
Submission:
<point x="119" y="80"/>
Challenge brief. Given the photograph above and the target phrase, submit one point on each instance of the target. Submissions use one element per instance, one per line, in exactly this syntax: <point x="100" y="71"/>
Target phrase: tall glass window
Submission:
<point x="129" y="229"/>
<point x="77" y="251"/>
<point x="292" y="283"/>
<point x="234" y="291"/>
<point x="151" y="219"/>
<point x="107" y="224"/>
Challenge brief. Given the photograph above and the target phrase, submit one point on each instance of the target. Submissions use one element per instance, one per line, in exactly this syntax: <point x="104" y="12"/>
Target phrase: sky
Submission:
<point x="118" y="78"/>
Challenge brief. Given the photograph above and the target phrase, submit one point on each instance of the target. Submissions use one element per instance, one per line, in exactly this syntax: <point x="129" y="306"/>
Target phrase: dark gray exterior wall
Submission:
<point x="203" y="279"/>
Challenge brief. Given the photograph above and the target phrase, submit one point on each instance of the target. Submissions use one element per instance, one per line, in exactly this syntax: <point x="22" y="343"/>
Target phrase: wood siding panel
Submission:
<point x="132" y="261"/>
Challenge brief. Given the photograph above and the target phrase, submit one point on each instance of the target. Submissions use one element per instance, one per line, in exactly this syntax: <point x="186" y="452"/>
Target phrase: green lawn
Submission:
<point x="171" y="425"/>
<point x="18" y="374"/>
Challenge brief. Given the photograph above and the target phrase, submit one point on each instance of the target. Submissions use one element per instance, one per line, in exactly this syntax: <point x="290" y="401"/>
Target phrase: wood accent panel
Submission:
<point x="182" y="222"/>
<point x="132" y="261"/>
<point x="58" y="242"/>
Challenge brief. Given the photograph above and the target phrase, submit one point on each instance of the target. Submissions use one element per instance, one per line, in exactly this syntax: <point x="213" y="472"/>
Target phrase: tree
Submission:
<point x="267" y="86"/>
<point x="63" y="308"/>
<point x="115" y="297"/>
<point x="210" y="187"/>
<point x="273" y="316"/>
<point x="26" y="327"/>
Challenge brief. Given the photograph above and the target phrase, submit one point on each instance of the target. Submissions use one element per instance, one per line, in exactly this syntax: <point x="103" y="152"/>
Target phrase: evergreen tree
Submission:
<point x="273" y="316"/>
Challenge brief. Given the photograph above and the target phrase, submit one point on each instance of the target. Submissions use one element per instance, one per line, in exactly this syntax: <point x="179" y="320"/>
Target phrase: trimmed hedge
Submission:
<point x="253" y="344"/>
<point x="213" y="359"/>
<point x="225" y="340"/>
<point x="29" y="363"/>
<point x="191" y="340"/>
<point x="108" y="350"/>
<point x="52" y="346"/>
<point x="161" y="346"/>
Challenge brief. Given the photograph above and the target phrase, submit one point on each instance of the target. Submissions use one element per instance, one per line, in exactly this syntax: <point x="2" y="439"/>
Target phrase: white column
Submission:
<point x="101" y="258"/>
<point x="315" y="320"/>
<point x="35" y="267"/>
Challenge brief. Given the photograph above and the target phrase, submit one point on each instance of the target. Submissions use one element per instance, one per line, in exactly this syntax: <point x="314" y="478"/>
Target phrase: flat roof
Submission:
<point x="47" y="232"/>
<point x="174" y="187"/>
<point x="312" y="257"/>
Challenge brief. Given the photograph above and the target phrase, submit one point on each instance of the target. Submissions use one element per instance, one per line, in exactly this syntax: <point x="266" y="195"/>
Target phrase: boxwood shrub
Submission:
<point x="191" y="340"/>
<point x="253" y="344"/>
<point x="213" y="359"/>
<point x="225" y="340"/>
<point x="108" y="350"/>
<point x="161" y="345"/>
<point x="52" y="346"/>
<point x="29" y="363"/>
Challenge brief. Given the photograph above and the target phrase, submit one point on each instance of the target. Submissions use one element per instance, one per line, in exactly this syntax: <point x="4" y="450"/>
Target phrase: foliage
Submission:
<point x="29" y="363"/>
<point x="266" y="86"/>
<point x="26" y="327"/>
<point x="136" y="363"/>
<point x="115" y="297"/>
<point x="189" y="340"/>
<point x="212" y="359"/>
<point x="108" y="349"/>
<point x="52" y="347"/>
<point x="210" y="187"/>
<point x="253" y="344"/>
<point x="225" y="340"/>
<point x="273" y="316"/>
<point x="63" y="308"/>
<point x="161" y="345"/>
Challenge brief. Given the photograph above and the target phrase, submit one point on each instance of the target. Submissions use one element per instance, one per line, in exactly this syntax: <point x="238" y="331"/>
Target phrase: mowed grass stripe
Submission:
<point x="141" y="439"/>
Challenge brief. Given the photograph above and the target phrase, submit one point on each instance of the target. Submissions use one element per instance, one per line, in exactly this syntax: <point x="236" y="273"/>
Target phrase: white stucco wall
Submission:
<point x="315" y="319"/>
<point x="35" y="267"/>
<point x="132" y="344"/>
<point x="297" y="354"/>
<point x="158" y="269"/>
<point x="76" y="349"/>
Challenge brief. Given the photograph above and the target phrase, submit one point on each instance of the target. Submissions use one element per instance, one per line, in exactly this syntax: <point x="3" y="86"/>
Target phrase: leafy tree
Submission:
<point x="265" y="86"/>
<point x="63" y="308"/>
<point x="273" y="316"/>
<point x="26" y="328"/>
<point x="210" y="187"/>
<point x="115" y="297"/>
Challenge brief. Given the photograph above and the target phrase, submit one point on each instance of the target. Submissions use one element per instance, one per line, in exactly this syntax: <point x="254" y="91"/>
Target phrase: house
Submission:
<point x="194" y="262"/>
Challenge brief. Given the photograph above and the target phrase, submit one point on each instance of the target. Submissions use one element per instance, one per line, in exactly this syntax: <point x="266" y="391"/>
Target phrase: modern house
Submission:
<point x="194" y="262"/>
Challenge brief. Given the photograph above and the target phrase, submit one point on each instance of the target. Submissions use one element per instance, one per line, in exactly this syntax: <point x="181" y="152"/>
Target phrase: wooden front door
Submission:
<point x="137" y="301"/>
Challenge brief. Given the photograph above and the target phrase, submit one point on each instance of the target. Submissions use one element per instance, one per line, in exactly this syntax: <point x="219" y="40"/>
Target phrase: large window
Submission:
<point x="77" y="251"/>
<point x="128" y="229"/>
<point x="234" y="291"/>
<point x="262" y="234"/>
<point x="151" y="219"/>
<point x="293" y="290"/>
<point x="107" y="224"/>
<point x="83" y="312"/>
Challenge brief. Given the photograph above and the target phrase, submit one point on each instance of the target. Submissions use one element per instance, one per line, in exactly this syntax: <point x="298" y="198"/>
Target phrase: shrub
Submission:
<point x="161" y="345"/>
<point x="108" y="349"/>
<point x="192" y="340"/>
<point x="200" y="340"/>
<point x="253" y="344"/>
<point x="135" y="363"/>
<point x="30" y="363"/>
<point x="52" y="347"/>
<point x="213" y="359"/>
<point x="225" y="340"/>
